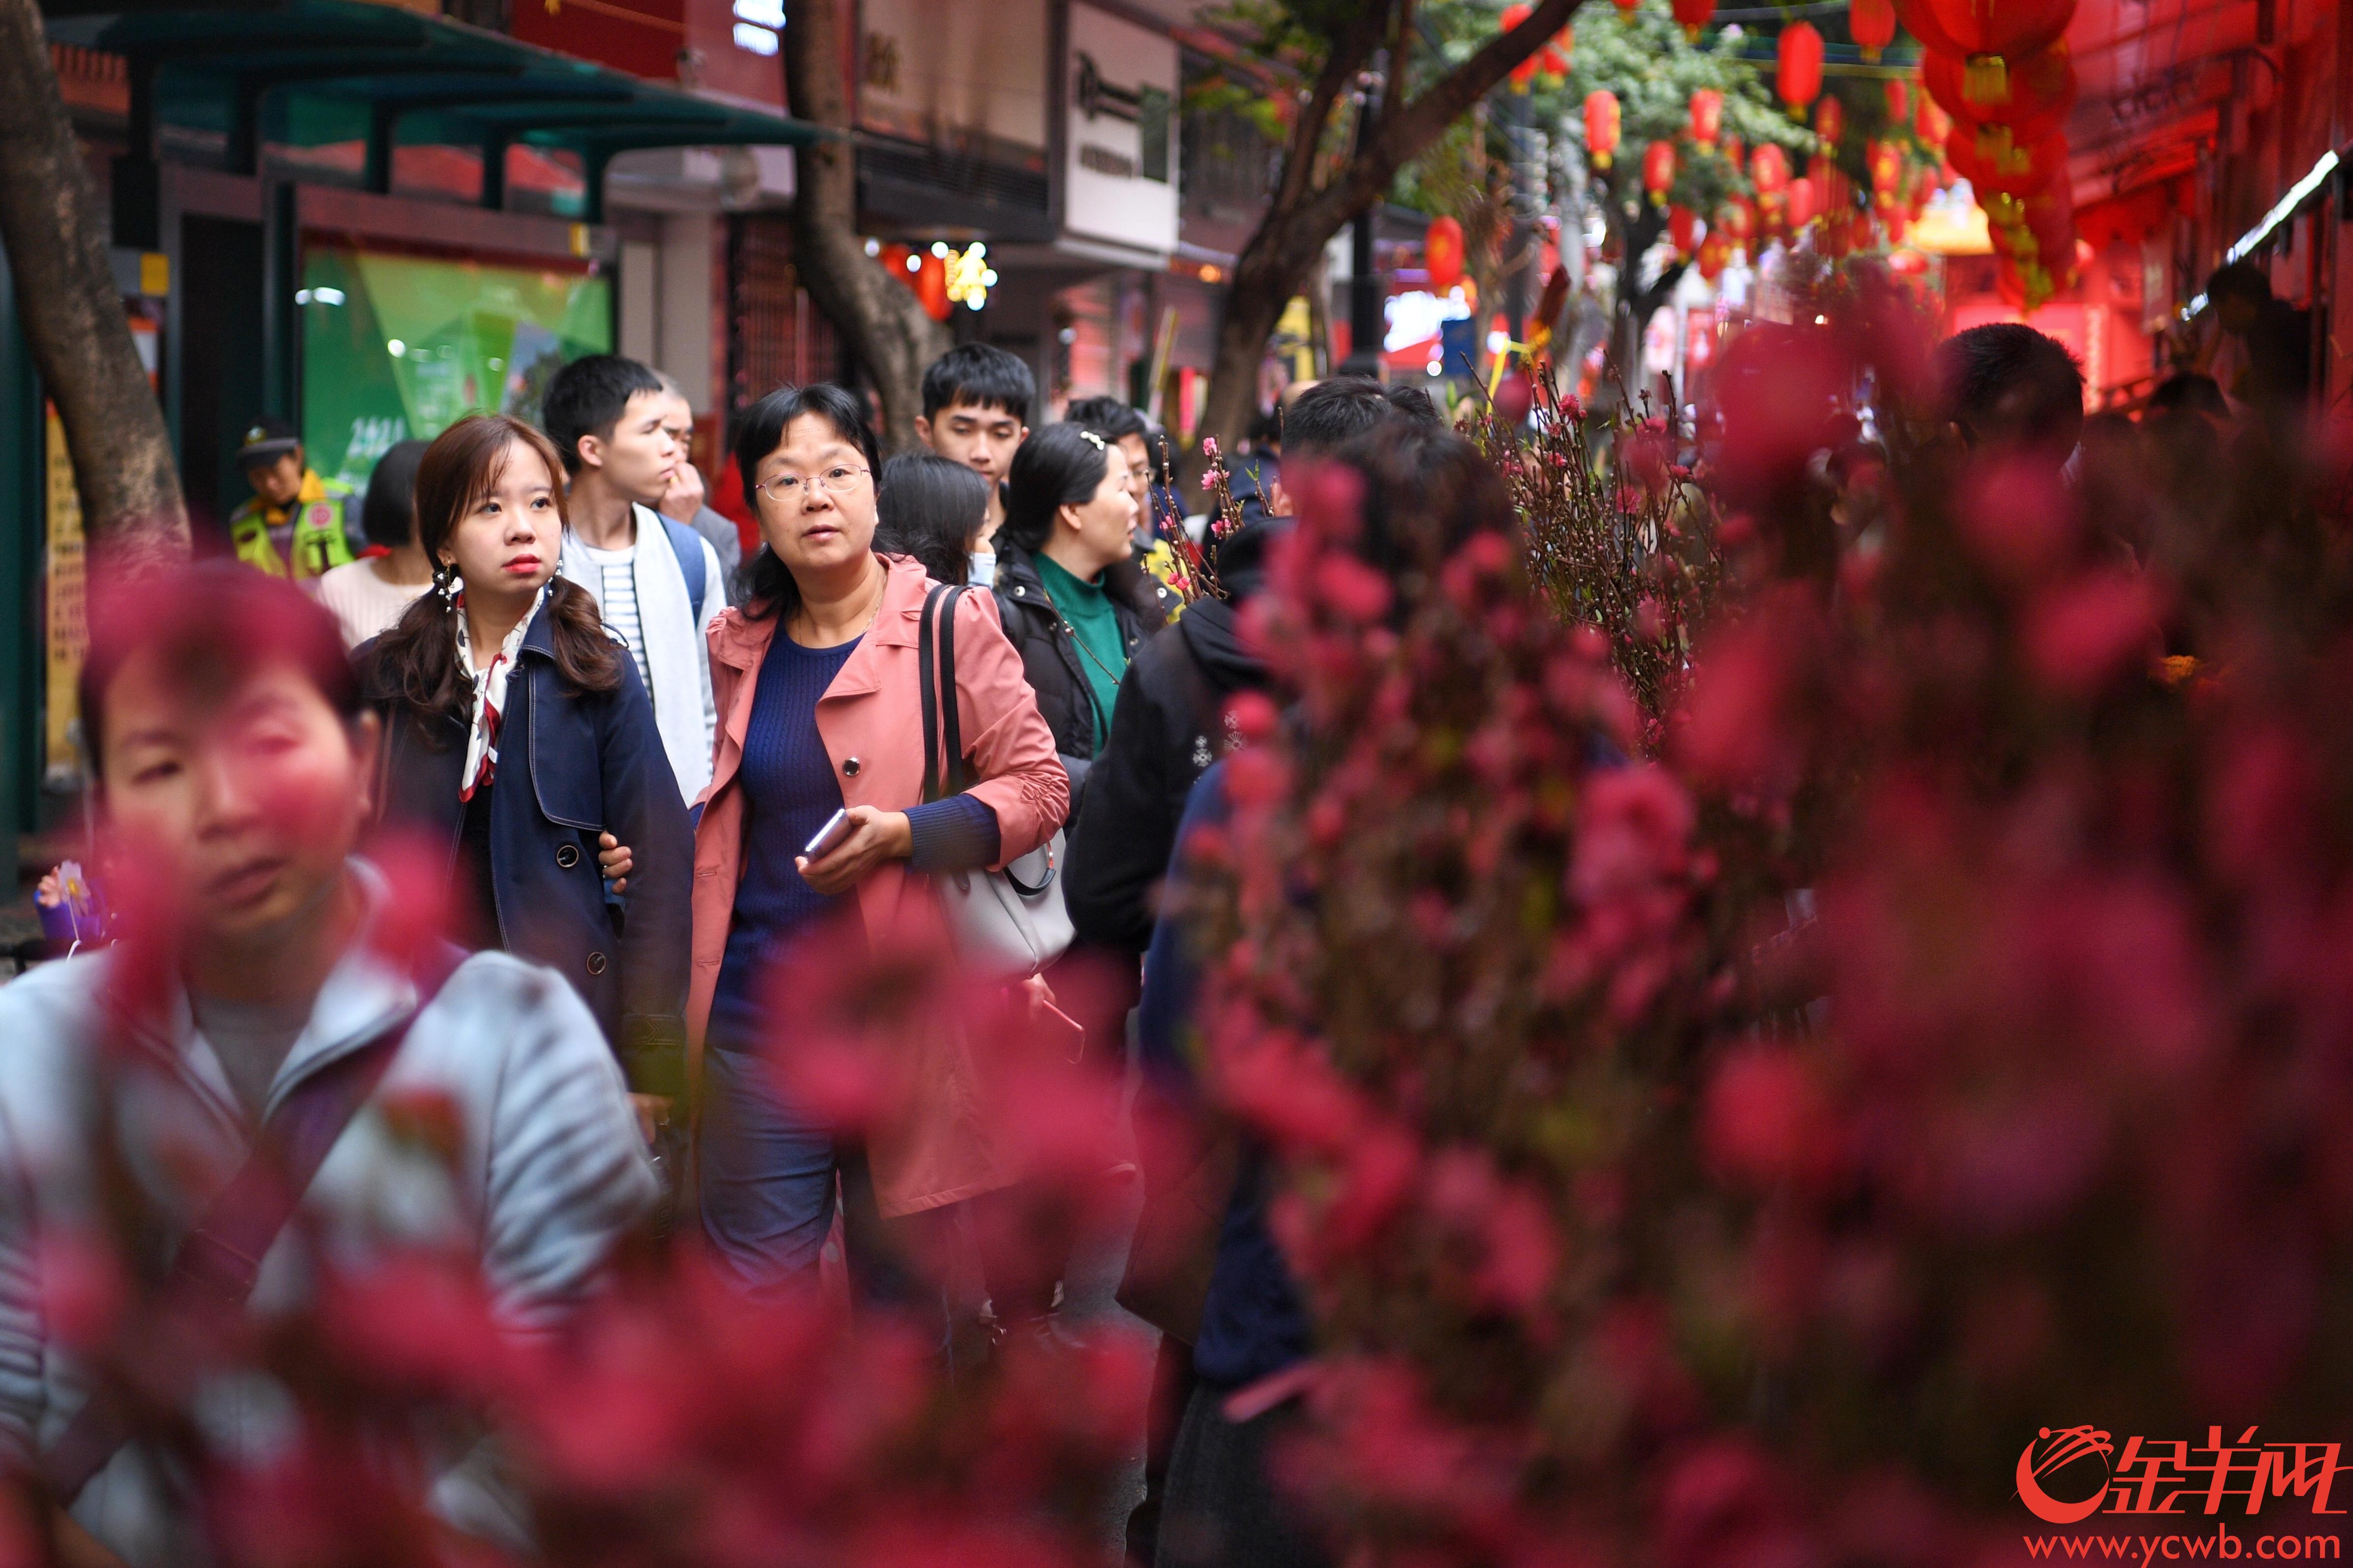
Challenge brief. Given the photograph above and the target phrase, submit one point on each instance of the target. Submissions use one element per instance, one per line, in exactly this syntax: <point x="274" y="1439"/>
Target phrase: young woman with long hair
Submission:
<point x="518" y="734"/>
<point x="820" y="710"/>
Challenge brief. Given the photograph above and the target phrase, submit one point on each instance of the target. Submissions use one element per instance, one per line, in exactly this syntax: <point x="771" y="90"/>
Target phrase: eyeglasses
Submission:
<point x="793" y="488"/>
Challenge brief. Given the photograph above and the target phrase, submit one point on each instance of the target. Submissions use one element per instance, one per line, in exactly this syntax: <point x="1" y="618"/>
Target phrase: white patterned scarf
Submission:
<point x="490" y="695"/>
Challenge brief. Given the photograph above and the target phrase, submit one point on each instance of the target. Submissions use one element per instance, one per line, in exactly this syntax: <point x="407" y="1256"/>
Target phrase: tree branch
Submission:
<point x="1347" y="56"/>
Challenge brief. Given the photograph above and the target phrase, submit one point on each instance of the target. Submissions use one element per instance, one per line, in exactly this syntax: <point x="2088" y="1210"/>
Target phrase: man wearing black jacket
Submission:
<point x="1169" y="723"/>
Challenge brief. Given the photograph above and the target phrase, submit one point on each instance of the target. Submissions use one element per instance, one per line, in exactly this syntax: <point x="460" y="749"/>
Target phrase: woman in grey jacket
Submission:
<point x="234" y="762"/>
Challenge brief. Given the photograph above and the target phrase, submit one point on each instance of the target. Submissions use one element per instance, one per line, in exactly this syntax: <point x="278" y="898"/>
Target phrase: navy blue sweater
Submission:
<point x="789" y="792"/>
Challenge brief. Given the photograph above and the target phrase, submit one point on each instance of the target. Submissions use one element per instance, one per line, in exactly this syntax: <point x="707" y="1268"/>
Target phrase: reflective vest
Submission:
<point x="319" y="540"/>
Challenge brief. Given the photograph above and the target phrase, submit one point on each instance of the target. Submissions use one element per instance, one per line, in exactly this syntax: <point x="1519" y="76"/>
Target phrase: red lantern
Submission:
<point x="1736" y="220"/>
<point x="1886" y="164"/>
<point x="2037" y="90"/>
<point x="932" y="288"/>
<point x="1798" y="68"/>
<point x="1873" y="22"/>
<point x="1993" y="161"/>
<point x="1899" y="101"/>
<point x="1682" y="228"/>
<point x="1550" y="59"/>
<point x="1707" y="115"/>
<point x="1802" y="203"/>
<point x="1989" y="36"/>
<point x="1932" y="122"/>
<point x="1441" y="252"/>
<point x="1714" y="252"/>
<point x="1659" y="171"/>
<point x="1629" y="6"/>
<point x="1733" y="151"/>
<point x="1768" y="167"/>
<point x="1600" y="126"/>
<point x="1558" y="53"/>
<point x="1693" y="15"/>
<point x="1829" y="122"/>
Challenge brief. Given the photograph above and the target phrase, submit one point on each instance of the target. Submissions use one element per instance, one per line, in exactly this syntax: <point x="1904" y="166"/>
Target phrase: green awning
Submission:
<point x="310" y="73"/>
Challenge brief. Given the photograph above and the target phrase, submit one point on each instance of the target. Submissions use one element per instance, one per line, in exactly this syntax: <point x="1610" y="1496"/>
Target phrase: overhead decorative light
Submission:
<point x="970" y="276"/>
<point x="2271" y="220"/>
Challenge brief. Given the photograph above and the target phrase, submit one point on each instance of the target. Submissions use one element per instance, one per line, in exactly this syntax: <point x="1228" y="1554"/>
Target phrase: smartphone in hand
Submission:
<point x="829" y="838"/>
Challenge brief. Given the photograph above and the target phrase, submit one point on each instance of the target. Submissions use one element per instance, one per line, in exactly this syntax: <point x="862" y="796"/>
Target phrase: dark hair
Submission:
<point x="2006" y="382"/>
<point x="2193" y="394"/>
<point x="588" y="397"/>
<point x="1265" y="430"/>
<point x="1107" y="418"/>
<point x="1331" y="414"/>
<point x="930" y="507"/>
<point x="768" y="583"/>
<point x="2239" y="281"/>
<point x="388" y="512"/>
<point x="1426" y="492"/>
<point x="978" y="373"/>
<point x="1411" y="401"/>
<point x="214" y="624"/>
<point x="416" y="663"/>
<point x="1062" y="465"/>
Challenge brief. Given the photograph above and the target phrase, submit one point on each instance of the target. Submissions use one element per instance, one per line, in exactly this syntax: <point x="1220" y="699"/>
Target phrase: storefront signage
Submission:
<point x="1120" y="126"/>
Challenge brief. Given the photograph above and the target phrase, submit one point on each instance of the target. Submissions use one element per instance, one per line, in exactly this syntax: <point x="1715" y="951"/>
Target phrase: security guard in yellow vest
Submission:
<point x="293" y="526"/>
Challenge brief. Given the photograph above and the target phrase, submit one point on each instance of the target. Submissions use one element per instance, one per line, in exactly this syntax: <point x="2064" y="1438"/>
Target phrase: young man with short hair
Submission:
<point x="658" y="582"/>
<point x="296" y="524"/>
<point x="977" y="411"/>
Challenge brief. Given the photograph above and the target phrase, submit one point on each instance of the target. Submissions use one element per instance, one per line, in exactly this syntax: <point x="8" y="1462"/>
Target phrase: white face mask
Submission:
<point x="984" y="567"/>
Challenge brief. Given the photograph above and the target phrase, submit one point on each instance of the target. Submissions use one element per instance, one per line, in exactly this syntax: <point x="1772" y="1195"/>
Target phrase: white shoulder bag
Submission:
<point x="1009" y="923"/>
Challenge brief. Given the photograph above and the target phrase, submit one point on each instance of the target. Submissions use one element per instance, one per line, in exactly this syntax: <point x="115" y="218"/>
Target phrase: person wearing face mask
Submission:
<point x="1075" y="603"/>
<point x="518" y="736"/>
<point x="819" y="682"/>
<point x="657" y="583"/>
<point x="270" y="996"/>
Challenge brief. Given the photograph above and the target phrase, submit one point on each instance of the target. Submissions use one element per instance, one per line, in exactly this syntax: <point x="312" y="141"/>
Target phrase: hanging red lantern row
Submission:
<point x="1714" y="253"/>
<point x="1930" y="120"/>
<point x="1735" y="150"/>
<point x="2041" y="89"/>
<point x="1549" y="61"/>
<point x="1736" y="220"/>
<point x="1801" y="204"/>
<point x="1798" y="66"/>
<point x="1886" y="162"/>
<point x="1659" y="171"/>
<point x="1829" y="122"/>
<point x="1873" y="24"/>
<point x="1899" y="101"/>
<point x="1693" y="15"/>
<point x="1600" y="127"/>
<point x="1682" y="228"/>
<point x="1707" y="115"/>
<point x="1441" y="254"/>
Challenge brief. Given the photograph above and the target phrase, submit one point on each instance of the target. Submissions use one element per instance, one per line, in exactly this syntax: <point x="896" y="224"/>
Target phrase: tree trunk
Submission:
<point x="72" y="314"/>
<point x="1302" y="218"/>
<point x="879" y="316"/>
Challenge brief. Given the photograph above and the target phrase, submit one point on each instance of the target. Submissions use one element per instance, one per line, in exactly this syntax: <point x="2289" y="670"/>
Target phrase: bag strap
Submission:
<point x="219" y="1261"/>
<point x="951" y="710"/>
<point x="687" y="545"/>
<point x="931" y="706"/>
<point x="943" y="773"/>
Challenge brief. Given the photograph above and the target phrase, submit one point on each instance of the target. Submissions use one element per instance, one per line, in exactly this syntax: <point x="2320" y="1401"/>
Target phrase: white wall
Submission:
<point x="667" y="308"/>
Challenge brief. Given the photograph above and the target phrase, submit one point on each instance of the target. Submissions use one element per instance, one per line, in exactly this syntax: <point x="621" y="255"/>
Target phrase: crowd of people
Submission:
<point x="530" y="680"/>
<point x="953" y="702"/>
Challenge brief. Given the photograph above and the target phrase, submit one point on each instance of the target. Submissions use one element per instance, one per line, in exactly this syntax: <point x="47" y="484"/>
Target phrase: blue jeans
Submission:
<point x="771" y="1175"/>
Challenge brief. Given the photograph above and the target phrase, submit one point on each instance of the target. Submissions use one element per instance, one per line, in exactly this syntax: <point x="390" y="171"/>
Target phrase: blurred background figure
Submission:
<point x="295" y="524"/>
<point x="2261" y="354"/>
<point x="977" y="402"/>
<point x="1124" y="429"/>
<point x="2009" y="391"/>
<point x="934" y="510"/>
<point x="684" y="501"/>
<point x="367" y="596"/>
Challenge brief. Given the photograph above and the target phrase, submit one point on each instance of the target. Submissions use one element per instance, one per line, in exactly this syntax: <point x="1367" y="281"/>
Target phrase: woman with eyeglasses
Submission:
<point x="820" y="700"/>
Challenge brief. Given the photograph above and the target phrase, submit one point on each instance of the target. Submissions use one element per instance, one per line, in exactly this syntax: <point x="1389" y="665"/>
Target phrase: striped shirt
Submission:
<point x="617" y="570"/>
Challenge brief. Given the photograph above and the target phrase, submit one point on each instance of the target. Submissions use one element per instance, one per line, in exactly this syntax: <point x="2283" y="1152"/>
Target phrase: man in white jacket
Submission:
<point x="235" y="770"/>
<point x="658" y="582"/>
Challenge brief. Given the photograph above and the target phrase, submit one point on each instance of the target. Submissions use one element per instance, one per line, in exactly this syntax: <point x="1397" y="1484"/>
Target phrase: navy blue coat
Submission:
<point x="572" y="764"/>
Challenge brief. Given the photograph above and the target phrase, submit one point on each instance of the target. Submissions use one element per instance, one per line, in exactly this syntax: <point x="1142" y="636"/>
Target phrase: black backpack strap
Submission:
<point x="219" y="1260"/>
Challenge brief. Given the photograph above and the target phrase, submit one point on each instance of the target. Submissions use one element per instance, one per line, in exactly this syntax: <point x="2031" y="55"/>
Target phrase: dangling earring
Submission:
<point x="445" y="583"/>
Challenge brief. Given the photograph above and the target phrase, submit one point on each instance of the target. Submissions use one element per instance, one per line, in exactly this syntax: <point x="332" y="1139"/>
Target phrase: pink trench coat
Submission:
<point x="872" y="713"/>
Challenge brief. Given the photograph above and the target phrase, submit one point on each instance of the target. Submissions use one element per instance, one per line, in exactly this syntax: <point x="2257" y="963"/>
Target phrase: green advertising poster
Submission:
<point x="395" y="346"/>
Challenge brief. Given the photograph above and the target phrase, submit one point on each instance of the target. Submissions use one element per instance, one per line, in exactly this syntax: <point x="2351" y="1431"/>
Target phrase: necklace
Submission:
<point x="872" y="614"/>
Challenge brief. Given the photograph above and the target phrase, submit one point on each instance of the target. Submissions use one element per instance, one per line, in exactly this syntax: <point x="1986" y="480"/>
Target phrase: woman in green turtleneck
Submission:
<point x="1073" y="599"/>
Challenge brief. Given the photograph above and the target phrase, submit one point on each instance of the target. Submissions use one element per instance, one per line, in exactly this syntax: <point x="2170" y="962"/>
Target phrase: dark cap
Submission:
<point x="266" y="440"/>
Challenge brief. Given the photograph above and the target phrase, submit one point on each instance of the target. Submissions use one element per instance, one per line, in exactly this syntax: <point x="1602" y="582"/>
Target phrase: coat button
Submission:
<point x="567" y="856"/>
<point x="596" y="964"/>
<point x="849" y="765"/>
